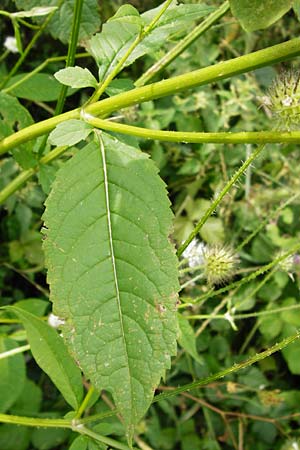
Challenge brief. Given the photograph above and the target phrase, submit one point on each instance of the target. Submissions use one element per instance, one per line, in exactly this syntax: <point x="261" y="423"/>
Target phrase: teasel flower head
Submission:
<point x="288" y="264"/>
<point x="283" y="100"/>
<point x="219" y="263"/>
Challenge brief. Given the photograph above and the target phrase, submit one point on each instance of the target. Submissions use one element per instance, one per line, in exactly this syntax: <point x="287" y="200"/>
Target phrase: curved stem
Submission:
<point x="220" y="71"/>
<point x="242" y="137"/>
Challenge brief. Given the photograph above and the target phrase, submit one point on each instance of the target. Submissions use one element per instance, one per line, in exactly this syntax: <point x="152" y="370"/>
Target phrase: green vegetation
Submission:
<point x="150" y="257"/>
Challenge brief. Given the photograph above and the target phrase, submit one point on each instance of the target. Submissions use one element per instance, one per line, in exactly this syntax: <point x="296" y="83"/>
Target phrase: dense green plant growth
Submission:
<point x="160" y="213"/>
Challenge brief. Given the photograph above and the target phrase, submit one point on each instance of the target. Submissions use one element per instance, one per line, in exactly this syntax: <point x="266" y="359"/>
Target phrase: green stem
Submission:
<point x="252" y="276"/>
<point x="219" y="198"/>
<point x="28" y="48"/>
<point x="98" y="437"/>
<point x="200" y="77"/>
<point x="230" y="370"/>
<point x="35" y="130"/>
<point x="243" y="316"/>
<point x="243" y="137"/>
<point x="85" y="402"/>
<point x="264" y="222"/>
<point x="40" y="68"/>
<point x="257" y="288"/>
<point x="64" y="423"/>
<point x="182" y="45"/>
<point x="24" y="176"/>
<point x="220" y="71"/>
<point x="71" y="52"/>
<point x="35" y="421"/>
<point x="97" y="94"/>
<point x="15" y="184"/>
<point x="170" y="136"/>
<point x="14" y="351"/>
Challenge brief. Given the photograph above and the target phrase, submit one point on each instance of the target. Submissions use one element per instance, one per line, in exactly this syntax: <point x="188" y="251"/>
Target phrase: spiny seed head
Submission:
<point x="283" y="100"/>
<point x="287" y="264"/>
<point x="219" y="263"/>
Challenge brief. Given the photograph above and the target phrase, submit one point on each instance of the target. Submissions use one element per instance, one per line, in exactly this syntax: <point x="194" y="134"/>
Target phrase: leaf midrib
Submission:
<point x="110" y="236"/>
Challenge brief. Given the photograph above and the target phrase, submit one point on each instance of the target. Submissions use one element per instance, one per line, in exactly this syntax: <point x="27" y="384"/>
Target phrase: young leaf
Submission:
<point x="33" y="12"/>
<point x="12" y="375"/>
<point x="113" y="271"/>
<point x="256" y="14"/>
<point x="109" y="46"/>
<point x="76" y="77"/>
<point x="177" y="14"/>
<point x="70" y="132"/>
<point x="51" y="355"/>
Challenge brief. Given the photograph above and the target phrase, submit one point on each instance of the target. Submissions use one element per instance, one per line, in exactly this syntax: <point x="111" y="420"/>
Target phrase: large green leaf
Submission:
<point x="259" y="14"/>
<point x="40" y="87"/>
<point x="112" y="270"/>
<point x="61" y="23"/>
<point x="109" y="46"/>
<point x="50" y="353"/>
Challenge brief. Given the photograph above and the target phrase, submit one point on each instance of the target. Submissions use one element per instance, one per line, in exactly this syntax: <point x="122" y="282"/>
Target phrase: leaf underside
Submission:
<point x="117" y="35"/>
<point x="112" y="270"/>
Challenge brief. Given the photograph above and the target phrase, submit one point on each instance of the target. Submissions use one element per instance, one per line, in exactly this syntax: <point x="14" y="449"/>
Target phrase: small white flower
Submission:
<point x="194" y="253"/>
<point x="55" y="321"/>
<point x="10" y="44"/>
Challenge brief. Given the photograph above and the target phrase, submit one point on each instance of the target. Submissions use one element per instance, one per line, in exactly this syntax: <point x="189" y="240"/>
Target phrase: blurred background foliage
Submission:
<point x="257" y="408"/>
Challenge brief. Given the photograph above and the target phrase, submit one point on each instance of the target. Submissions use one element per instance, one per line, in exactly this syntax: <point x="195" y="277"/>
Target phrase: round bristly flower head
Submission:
<point x="219" y="263"/>
<point x="283" y="100"/>
<point x="288" y="264"/>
